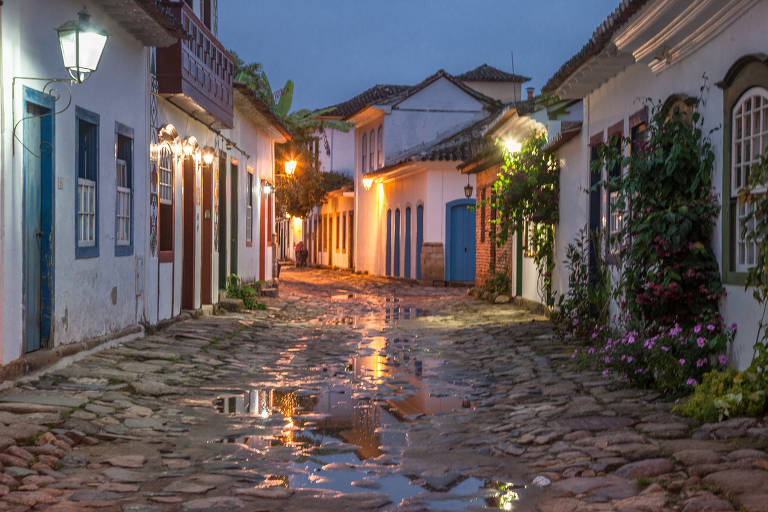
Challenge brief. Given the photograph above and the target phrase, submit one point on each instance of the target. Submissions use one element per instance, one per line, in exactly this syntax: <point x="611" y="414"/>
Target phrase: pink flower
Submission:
<point x="691" y="382"/>
<point x="573" y="356"/>
<point x="665" y="349"/>
<point x="591" y="350"/>
<point x="697" y="329"/>
<point x="734" y="326"/>
<point x="629" y="359"/>
<point x="605" y="372"/>
<point x="701" y="342"/>
<point x="711" y="327"/>
<point x="607" y="359"/>
<point x="700" y="363"/>
<point x="682" y="361"/>
<point x="722" y="359"/>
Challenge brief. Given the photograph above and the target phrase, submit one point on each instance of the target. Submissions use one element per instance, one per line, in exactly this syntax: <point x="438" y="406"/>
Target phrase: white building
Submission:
<point x="661" y="50"/>
<point x="74" y="179"/>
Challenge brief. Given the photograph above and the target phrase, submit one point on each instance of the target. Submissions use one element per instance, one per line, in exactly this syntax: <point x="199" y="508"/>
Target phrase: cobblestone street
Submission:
<point x="356" y="393"/>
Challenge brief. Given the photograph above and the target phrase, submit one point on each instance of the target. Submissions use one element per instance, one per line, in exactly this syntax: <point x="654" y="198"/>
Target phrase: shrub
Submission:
<point x="497" y="284"/>
<point x="247" y="293"/>
<point x="724" y="394"/>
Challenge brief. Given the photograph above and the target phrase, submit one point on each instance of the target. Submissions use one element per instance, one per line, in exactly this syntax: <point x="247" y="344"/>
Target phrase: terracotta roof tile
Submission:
<point x="600" y="39"/>
<point x="486" y="73"/>
<point x="375" y="94"/>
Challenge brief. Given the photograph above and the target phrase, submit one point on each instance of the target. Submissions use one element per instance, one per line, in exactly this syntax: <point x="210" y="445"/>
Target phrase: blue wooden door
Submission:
<point x="419" y="238"/>
<point x="397" y="242"/>
<point x="460" y="233"/>
<point x="407" y="256"/>
<point x="38" y="214"/>
<point x="389" y="244"/>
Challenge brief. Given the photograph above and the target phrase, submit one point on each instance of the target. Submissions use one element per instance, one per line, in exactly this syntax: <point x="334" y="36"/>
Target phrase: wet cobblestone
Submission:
<point x="356" y="393"/>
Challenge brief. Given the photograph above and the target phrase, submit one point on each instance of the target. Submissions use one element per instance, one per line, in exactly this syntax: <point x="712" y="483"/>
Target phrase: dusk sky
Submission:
<point x="335" y="49"/>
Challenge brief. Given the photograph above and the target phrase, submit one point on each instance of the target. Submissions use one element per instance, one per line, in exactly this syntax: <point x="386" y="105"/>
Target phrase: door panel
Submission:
<point x="397" y="242"/>
<point x="207" y="237"/>
<point x="233" y="176"/>
<point x="462" y="243"/>
<point x="407" y="256"/>
<point x="388" y="269"/>
<point x="37" y="227"/>
<point x="419" y="238"/>
<point x="223" y="223"/>
<point x="188" y="235"/>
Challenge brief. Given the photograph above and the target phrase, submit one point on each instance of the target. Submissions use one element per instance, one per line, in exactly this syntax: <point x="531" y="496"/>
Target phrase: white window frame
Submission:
<point x="249" y="208"/>
<point x="86" y="213"/>
<point x="379" y="146"/>
<point x="165" y="176"/>
<point x="748" y="143"/>
<point x="122" y="203"/>
<point x="371" y="149"/>
<point x="363" y="151"/>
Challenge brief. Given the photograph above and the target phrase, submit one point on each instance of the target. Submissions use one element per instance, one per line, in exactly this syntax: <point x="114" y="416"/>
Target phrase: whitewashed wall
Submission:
<point x="620" y="97"/>
<point x="342" y="152"/>
<point x="83" y="288"/>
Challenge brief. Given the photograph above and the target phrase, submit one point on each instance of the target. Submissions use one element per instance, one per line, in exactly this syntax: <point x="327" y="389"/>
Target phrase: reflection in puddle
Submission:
<point x="347" y="422"/>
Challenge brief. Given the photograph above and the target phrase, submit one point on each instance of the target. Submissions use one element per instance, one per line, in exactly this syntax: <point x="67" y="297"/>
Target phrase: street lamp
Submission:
<point x="468" y="189"/>
<point x="290" y="167"/>
<point x="367" y="182"/>
<point x="82" y="43"/>
<point x="266" y="187"/>
<point x="208" y="155"/>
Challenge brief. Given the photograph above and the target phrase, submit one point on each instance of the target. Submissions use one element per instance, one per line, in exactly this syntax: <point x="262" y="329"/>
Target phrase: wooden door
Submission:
<point x="388" y="257"/>
<point x="262" y="234"/>
<point x="351" y="240"/>
<point x="461" y="243"/>
<point x="419" y="238"/>
<point x="207" y="237"/>
<point x="407" y="243"/>
<point x="234" y="175"/>
<point x="37" y="223"/>
<point x="188" y="235"/>
<point x="397" y="243"/>
<point x="223" y="223"/>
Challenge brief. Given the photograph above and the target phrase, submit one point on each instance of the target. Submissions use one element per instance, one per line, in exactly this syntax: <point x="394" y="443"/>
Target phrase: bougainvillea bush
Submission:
<point x="668" y="287"/>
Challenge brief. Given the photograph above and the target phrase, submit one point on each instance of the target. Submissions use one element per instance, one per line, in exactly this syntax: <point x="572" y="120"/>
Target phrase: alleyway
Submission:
<point x="352" y="393"/>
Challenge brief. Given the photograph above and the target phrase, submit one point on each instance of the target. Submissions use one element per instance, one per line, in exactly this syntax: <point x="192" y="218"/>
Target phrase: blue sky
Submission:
<point x="334" y="49"/>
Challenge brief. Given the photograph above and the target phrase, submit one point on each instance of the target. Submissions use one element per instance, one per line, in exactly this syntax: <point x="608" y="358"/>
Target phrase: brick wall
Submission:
<point x="487" y="256"/>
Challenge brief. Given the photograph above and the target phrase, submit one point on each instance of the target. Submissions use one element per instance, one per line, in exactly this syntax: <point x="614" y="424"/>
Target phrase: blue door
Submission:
<point x="389" y="244"/>
<point x="397" y="242"/>
<point x="419" y="238"/>
<point x="460" y="241"/>
<point x="407" y="258"/>
<point x="37" y="205"/>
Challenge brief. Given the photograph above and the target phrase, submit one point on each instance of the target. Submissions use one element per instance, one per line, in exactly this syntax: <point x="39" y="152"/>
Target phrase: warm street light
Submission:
<point x="468" y="189"/>
<point x="208" y="155"/>
<point x="367" y="183"/>
<point x="82" y="43"/>
<point x="188" y="146"/>
<point x="290" y="167"/>
<point x="512" y="146"/>
<point x="267" y="187"/>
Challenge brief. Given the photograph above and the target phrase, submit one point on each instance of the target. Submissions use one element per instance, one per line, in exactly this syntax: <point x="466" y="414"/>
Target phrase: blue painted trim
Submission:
<point x="419" y="237"/>
<point x="407" y="256"/>
<point x="448" y="227"/>
<point x="122" y="130"/>
<point x="388" y="269"/>
<point x="93" y="118"/>
<point x="397" y="242"/>
<point x="47" y="279"/>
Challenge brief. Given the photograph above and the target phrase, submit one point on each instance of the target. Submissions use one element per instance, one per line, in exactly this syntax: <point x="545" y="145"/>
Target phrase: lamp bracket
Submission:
<point x="53" y="88"/>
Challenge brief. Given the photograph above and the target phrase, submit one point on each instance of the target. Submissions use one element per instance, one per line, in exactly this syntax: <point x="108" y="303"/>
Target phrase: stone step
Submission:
<point x="233" y="305"/>
<point x="269" y="292"/>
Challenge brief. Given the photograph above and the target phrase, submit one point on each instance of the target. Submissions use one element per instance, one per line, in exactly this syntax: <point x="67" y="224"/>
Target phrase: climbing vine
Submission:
<point x="526" y="192"/>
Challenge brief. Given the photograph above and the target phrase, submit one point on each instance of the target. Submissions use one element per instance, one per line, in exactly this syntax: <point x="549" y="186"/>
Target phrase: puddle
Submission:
<point x="347" y="423"/>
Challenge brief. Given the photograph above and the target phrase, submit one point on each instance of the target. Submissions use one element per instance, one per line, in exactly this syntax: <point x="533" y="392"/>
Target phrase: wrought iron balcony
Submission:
<point x="196" y="72"/>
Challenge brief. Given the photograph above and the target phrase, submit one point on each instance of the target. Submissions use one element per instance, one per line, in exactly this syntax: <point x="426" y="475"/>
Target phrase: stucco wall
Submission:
<point x="342" y="152"/>
<point x="620" y="97"/>
<point x="84" y="289"/>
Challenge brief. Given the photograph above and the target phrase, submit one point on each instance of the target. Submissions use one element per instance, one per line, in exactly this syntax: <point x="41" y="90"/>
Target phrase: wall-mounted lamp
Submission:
<point x="208" y="155"/>
<point x="367" y="183"/>
<point x="290" y="167"/>
<point x="468" y="189"/>
<point x="189" y="145"/>
<point x="82" y="43"/>
<point x="512" y="146"/>
<point x="266" y="187"/>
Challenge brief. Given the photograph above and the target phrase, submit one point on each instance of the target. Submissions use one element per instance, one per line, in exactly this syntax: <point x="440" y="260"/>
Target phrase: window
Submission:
<point x="615" y="215"/>
<point x="363" y="151"/>
<point x="165" y="214"/>
<point x="371" y="138"/>
<point x="338" y="225"/>
<point x="344" y="233"/>
<point x="749" y="142"/>
<point x="124" y="191"/>
<point x="86" y="204"/>
<point x="380" y="147"/>
<point x="269" y="220"/>
<point x="249" y="208"/>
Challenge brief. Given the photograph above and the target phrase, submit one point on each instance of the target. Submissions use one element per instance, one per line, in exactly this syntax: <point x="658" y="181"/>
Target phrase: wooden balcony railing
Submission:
<point x="196" y="72"/>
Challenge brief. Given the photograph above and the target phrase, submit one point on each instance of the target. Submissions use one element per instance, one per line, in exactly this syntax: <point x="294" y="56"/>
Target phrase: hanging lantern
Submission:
<point x="468" y="189"/>
<point x="82" y="43"/>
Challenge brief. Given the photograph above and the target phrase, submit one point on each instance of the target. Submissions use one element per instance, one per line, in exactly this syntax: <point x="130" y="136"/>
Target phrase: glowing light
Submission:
<point x="208" y="155"/>
<point x="290" y="167"/>
<point x="189" y="145"/>
<point x="367" y="183"/>
<point x="82" y="43"/>
<point x="296" y="222"/>
<point x="512" y="146"/>
<point x="267" y="188"/>
<point x="264" y="413"/>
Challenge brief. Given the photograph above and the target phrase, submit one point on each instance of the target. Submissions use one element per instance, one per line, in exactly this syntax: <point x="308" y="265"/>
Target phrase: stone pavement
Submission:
<point x="355" y="393"/>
